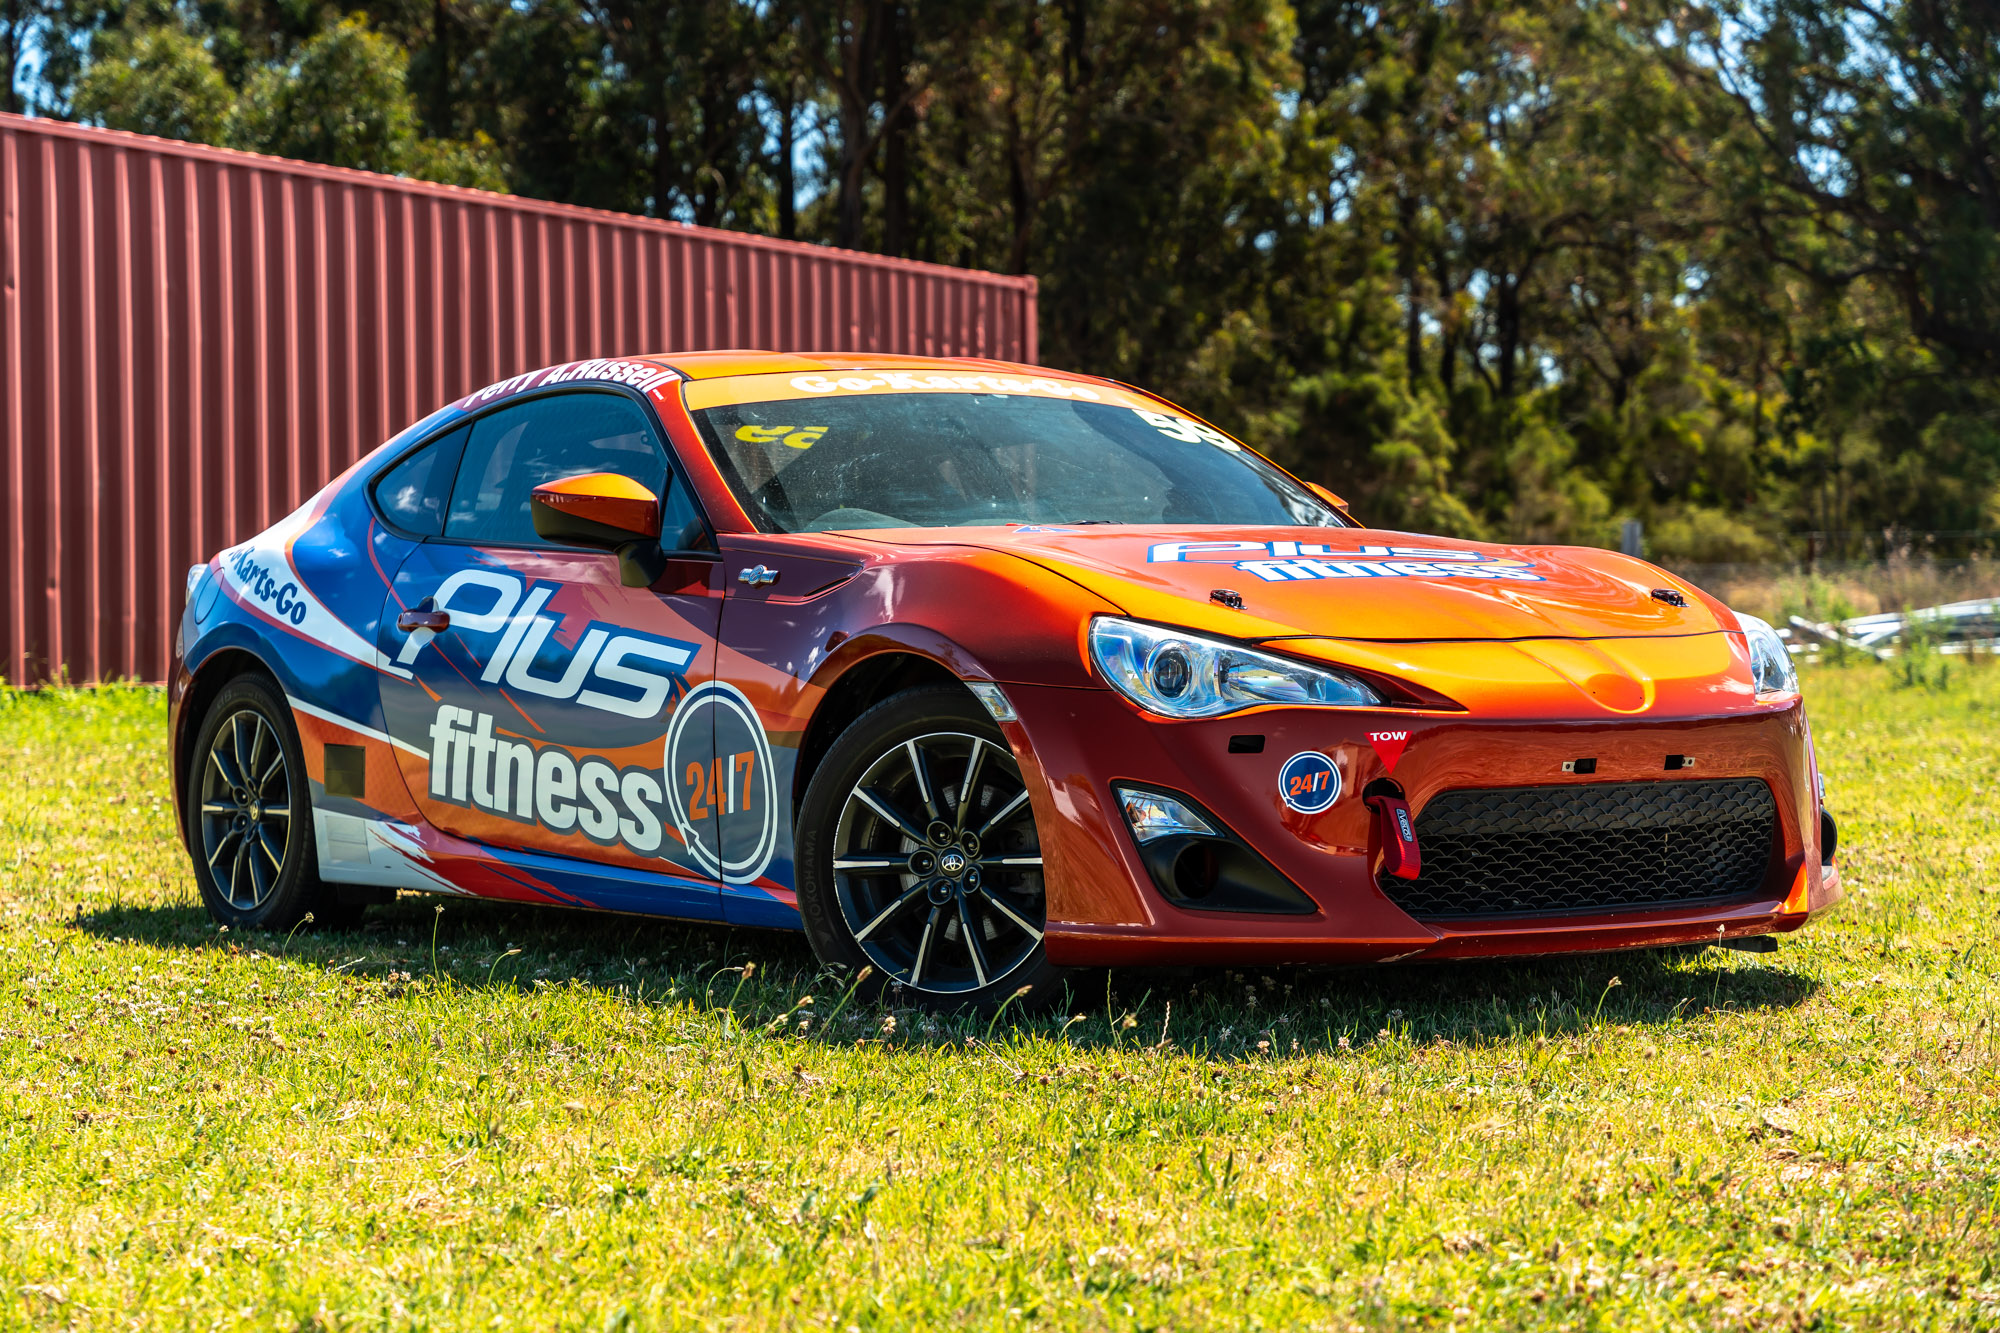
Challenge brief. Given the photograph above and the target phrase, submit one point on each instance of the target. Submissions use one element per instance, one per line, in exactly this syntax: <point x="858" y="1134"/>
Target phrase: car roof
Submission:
<point x="751" y="361"/>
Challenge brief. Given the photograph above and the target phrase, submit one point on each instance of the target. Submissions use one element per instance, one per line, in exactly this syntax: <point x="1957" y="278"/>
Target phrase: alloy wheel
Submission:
<point x="246" y="809"/>
<point x="937" y="868"/>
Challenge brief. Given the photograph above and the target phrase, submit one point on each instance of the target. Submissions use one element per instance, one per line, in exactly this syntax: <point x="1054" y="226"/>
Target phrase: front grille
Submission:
<point x="1595" y="847"/>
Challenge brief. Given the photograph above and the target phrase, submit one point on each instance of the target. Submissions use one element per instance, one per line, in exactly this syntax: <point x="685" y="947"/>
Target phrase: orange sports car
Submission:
<point x="975" y="672"/>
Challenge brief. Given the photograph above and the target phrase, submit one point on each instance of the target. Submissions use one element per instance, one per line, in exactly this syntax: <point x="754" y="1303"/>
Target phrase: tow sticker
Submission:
<point x="1389" y="746"/>
<point x="1309" y="782"/>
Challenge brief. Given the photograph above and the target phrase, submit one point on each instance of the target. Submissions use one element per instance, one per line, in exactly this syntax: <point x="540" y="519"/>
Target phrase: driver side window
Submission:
<point x="514" y="450"/>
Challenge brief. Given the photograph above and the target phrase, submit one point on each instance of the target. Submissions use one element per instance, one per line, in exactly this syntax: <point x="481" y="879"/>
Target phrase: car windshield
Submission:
<point x="926" y="460"/>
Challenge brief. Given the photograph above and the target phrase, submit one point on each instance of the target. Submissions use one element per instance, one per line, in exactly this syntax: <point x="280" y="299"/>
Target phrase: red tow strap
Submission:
<point x="1400" y="854"/>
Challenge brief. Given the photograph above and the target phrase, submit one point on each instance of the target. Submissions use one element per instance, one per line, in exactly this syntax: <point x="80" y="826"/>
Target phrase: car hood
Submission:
<point x="1352" y="584"/>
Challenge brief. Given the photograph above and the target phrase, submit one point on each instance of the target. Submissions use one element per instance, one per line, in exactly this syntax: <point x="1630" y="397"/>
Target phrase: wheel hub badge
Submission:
<point x="952" y="863"/>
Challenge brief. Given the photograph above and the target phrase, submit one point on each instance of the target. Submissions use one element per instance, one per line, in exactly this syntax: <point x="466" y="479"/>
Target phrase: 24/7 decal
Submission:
<point x="724" y="792"/>
<point x="1288" y="560"/>
<point x="1309" y="782"/>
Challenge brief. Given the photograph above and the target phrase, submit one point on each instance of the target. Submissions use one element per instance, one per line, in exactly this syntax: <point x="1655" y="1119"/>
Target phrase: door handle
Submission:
<point x="437" y="622"/>
<point x="758" y="575"/>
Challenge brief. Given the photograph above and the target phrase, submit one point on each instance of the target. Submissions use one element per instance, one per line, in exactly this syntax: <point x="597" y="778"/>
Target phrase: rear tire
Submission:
<point x="918" y="858"/>
<point x="249" y="816"/>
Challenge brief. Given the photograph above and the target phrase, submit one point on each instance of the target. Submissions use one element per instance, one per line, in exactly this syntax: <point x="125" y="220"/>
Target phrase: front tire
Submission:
<point x="918" y="857"/>
<point x="249" y="816"/>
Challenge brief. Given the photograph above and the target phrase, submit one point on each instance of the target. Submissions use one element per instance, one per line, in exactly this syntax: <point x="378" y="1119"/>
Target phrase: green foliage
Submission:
<point x="1918" y="663"/>
<point x="1504" y="270"/>
<point x="343" y="99"/>
<point x="522" y="1117"/>
<point x="156" y="79"/>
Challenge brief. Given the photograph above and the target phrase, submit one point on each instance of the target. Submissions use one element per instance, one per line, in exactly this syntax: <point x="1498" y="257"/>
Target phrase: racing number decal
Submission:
<point x="1181" y="428"/>
<point x="794" y="437"/>
<point x="1309" y="782"/>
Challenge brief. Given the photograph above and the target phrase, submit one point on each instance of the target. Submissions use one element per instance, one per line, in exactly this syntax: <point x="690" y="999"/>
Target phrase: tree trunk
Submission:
<point x="1406" y="268"/>
<point x="896" y="135"/>
<point x="440" y="109"/>
<point x="13" y="98"/>
<point x="1507" y="330"/>
<point x="788" y="195"/>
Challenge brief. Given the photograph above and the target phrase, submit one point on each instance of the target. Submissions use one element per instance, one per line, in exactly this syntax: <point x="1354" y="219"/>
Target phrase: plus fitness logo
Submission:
<point x="1282" y="561"/>
<point x="716" y="787"/>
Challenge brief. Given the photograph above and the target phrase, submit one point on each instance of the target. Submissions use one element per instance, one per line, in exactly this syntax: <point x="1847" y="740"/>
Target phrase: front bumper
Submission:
<point x="1104" y="909"/>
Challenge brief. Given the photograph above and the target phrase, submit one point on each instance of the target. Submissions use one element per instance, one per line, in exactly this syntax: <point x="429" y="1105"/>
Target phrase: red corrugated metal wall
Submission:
<point x="192" y="341"/>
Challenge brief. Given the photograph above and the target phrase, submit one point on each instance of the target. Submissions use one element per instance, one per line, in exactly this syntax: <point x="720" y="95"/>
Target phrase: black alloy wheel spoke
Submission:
<point x="222" y="845"/>
<point x="872" y="865"/>
<point x="1005" y="812"/>
<point x="968" y="790"/>
<point x="236" y="869"/>
<point x="925" y="790"/>
<point x="249" y="766"/>
<point x="975" y="871"/>
<point x="890" y="813"/>
<point x="908" y="897"/>
<point x="973" y="948"/>
<point x="1027" y="927"/>
<point x="924" y="946"/>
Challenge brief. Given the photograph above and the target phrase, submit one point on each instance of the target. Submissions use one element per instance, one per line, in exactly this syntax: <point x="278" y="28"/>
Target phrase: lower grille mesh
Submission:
<point x="1595" y="847"/>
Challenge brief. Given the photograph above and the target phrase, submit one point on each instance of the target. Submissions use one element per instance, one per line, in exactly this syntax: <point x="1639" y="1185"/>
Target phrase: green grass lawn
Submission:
<point x="503" y="1117"/>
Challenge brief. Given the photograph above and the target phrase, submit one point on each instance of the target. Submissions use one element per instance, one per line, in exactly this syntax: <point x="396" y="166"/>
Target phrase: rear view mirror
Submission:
<point x="606" y="511"/>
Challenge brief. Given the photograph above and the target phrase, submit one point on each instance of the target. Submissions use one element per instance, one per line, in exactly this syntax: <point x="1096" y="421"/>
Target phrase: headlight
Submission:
<point x="1770" y="664"/>
<point x="1177" y="674"/>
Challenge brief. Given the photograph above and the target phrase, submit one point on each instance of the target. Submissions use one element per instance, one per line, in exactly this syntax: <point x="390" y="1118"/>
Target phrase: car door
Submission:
<point x="550" y="702"/>
<point x="777" y="619"/>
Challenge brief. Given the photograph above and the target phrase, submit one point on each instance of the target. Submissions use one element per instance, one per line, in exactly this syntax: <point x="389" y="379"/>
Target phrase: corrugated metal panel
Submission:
<point x="192" y="341"/>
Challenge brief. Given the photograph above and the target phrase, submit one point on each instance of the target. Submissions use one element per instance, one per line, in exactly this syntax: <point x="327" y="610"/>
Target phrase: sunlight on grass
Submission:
<point x="599" y="1122"/>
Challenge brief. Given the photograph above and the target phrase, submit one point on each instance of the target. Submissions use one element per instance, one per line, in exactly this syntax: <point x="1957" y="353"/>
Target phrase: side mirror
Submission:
<point x="1323" y="493"/>
<point x="606" y="511"/>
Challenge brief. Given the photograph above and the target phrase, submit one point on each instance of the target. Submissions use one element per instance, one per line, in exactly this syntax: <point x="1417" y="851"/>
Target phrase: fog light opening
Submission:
<point x="1196" y="870"/>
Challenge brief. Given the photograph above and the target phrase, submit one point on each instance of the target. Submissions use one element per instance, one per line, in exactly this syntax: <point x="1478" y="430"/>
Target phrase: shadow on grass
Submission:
<point x="497" y="949"/>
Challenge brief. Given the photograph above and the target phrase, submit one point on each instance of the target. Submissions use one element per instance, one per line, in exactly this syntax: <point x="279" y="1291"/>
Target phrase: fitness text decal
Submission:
<point x="546" y="785"/>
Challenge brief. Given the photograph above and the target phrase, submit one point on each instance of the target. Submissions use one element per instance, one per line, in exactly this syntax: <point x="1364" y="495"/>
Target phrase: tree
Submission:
<point x="344" y="100"/>
<point x="155" y="80"/>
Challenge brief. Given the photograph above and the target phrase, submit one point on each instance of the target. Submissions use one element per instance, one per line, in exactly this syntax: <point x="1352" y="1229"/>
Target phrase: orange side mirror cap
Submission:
<point x="600" y="509"/>
<point x="1328" y="496"/>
